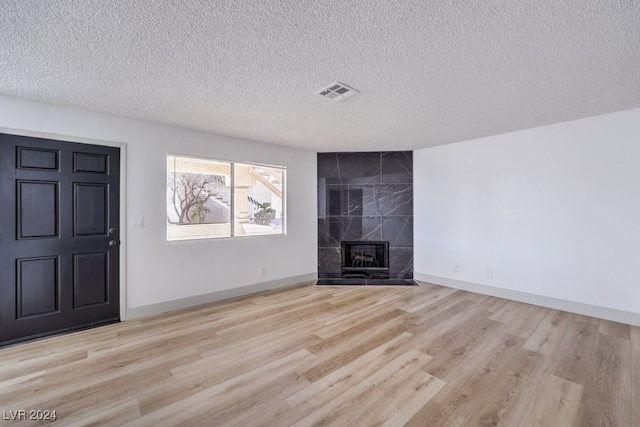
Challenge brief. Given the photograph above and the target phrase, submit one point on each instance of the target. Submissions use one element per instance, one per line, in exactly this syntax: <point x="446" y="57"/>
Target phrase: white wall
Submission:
<point x="552" y="211"/>
<point x="157" y="271"/>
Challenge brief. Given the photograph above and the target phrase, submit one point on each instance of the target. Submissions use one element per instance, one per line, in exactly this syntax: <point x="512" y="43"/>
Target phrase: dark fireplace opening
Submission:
<point x="365" y="259"/>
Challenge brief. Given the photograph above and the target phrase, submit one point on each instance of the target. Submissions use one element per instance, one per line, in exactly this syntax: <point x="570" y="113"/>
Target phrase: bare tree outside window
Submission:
<point x="198" y="198"/>
<point x="189" y="194"/>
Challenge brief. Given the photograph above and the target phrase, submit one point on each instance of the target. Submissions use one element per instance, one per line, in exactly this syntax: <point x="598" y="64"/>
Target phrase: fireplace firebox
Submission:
<point x="368" y="259"/>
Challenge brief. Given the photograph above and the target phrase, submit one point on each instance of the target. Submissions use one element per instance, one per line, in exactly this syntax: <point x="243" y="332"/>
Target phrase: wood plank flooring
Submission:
<point x="343" y="356"/>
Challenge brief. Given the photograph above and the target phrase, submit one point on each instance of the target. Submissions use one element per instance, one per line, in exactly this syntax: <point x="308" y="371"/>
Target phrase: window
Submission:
<point x="209" y="199"/>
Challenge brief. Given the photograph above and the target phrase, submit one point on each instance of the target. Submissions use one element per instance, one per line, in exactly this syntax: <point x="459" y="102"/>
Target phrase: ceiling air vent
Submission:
<point x="338" y="91"/>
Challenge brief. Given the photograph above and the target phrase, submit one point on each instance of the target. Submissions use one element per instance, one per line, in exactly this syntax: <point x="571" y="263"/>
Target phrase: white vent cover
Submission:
<point x="338" y="91"/>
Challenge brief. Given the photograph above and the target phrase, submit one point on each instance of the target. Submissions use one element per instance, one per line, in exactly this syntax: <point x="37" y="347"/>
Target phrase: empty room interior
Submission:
<point x="320" y="213"/>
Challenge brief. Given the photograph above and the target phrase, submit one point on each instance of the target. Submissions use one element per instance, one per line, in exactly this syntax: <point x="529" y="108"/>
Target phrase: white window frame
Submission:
<point x="232" y="203"/>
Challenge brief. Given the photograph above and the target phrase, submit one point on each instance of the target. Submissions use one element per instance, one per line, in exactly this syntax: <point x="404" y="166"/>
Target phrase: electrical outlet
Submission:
<point x="489" y="274"/>
<point x="263" y="271"/>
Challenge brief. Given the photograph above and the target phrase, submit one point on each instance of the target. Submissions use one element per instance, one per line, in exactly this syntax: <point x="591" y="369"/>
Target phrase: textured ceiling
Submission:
<point x="430" y="72"/>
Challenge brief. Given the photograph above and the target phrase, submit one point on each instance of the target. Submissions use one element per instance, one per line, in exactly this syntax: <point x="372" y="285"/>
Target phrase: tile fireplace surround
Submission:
<point x="365" y="196"/>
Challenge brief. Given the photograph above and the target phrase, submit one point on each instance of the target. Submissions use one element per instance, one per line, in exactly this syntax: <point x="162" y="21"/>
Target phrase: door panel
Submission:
<point x="91" y="279"/>
<point x="92" y="163"/>
<point x="59" y="212"/>
<point x="29" y="158"/>
<point x="37" y="290"/>
<point x="37" y="206"/>
<point x="91" y="214"/>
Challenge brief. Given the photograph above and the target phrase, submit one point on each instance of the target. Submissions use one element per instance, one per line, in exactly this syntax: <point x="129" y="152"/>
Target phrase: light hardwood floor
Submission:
<point x="314" y="355"/>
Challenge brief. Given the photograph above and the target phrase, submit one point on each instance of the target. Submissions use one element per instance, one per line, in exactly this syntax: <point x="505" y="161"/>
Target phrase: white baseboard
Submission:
<point x="613" y="314"/>
<point x="179" y="304"/>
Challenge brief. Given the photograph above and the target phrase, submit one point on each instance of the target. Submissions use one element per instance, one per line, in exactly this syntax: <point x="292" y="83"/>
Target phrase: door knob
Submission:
<point x="113" y="243"/>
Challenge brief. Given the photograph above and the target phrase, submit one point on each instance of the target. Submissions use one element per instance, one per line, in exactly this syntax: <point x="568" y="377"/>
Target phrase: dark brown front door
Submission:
<point x="59" y="236"/>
